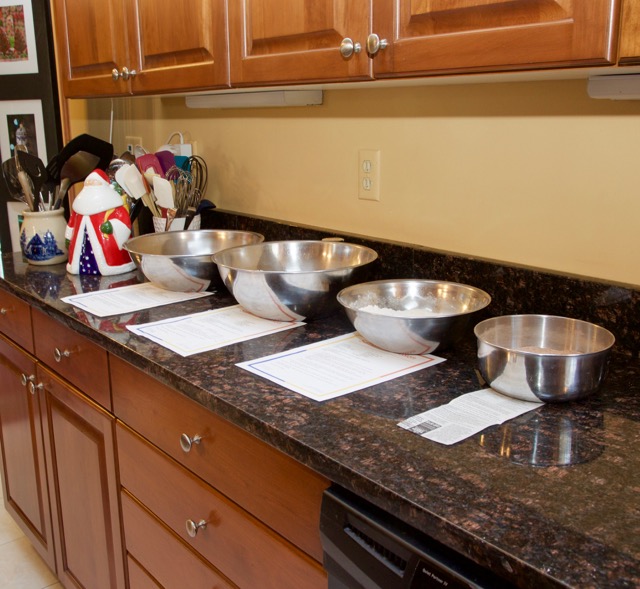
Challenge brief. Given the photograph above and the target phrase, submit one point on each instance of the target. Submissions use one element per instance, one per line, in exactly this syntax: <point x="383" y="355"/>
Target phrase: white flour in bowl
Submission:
<point x="411" y="313"/>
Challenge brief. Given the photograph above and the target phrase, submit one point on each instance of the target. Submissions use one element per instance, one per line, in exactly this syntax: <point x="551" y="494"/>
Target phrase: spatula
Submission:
<point x="10" y="173"/>
<point x="75" y="169"/>
<point x="37" y="172"/>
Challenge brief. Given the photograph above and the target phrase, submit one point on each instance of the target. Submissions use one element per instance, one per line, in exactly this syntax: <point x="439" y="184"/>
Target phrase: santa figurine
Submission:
<point x="98" y="227"/>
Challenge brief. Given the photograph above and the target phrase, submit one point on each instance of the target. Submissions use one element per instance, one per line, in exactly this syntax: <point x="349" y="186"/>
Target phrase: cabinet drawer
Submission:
<point x="15" y="320"/>
<point x="160" y="553"/>
<point x="74" y="357"/>
<point x="226" y="457"/>
<point x="241" y="547"/>
<point x="138" y="577"/>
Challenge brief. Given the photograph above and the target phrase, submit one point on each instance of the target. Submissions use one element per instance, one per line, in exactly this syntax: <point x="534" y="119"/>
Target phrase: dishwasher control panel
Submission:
<point x="366" y="548"/>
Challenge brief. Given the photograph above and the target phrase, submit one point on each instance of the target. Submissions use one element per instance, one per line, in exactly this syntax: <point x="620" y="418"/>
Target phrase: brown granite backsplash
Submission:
<point x="513" y="289"/>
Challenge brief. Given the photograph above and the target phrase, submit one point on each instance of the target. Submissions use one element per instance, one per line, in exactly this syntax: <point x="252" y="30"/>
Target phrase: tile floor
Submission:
<point x="20" y="565"/>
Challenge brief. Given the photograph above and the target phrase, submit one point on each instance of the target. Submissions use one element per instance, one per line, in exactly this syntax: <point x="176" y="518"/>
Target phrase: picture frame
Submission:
<point x="21" y="122"/>
<point x="18" y="54"/>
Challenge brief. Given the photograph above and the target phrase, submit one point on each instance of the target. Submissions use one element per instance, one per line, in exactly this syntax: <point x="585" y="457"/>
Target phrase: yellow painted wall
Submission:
<point x="532" y="173"/>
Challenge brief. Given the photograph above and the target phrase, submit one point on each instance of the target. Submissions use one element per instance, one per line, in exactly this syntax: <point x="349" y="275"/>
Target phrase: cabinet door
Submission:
<point x="26" y="494"/>
<point x="182" y="44"/>
<point x="81" y="466"/>
<point x="297" y="40"/>
<point x="630" y="33"/>
<point x="90" y="37"/>
<point x="437" y="36"/>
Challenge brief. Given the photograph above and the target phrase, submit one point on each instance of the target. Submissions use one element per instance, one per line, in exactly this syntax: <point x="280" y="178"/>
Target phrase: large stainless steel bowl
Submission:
<point x="412" y="316"/>
<point x="543" y="357"/>
<point x="292" y="280"/>
<point x="181" y="260"/>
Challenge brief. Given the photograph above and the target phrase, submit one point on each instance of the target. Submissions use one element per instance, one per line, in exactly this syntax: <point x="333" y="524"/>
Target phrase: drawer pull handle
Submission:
<point x="4" y="311"/>
<point x="25" y="380"/>
<point x="186" y="442"/>
<point x="59" y="355"/>
<point x="193" y="527"/>
<point x="33" y="387"/>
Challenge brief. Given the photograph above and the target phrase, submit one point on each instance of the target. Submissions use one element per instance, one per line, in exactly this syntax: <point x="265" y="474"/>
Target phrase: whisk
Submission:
<point x="197" y="167"/>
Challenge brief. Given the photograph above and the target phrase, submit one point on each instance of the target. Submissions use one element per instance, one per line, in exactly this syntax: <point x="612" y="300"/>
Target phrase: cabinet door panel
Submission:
<point x="297" y="41"/>
<point x="183" y="44"/>
<point x="630" y="33"/>
<point x="82" y="475"/>
<point x="24" y="478"/>
<point x="90" y="43"/>
<point x="464" y="35"/>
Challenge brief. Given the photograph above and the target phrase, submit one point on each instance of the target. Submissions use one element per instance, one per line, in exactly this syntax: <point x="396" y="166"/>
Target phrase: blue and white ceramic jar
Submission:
<point x="42" y="237"/>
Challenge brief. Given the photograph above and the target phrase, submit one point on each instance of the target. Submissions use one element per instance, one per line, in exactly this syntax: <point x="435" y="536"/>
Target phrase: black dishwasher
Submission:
<point x="366" y="548"/>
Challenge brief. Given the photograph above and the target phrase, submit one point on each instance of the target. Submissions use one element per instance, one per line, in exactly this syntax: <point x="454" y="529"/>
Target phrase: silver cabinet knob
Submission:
<point x="348" y="47"/>
<point x="25" y="380"/>
<point x="4" y="311"/>
<point x="193" y="527"/>
<point x="126" y="74"/>
<point x="33" y="387"/>
<point x="375" y="44"/>
<point x="58" y="355"/>
<point x="186" y="442"/>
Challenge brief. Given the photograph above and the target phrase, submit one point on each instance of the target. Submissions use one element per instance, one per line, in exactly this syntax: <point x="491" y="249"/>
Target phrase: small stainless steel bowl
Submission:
<point x="292" y="280"/>
<point x="181" y="260"/>
<point x="412" y="316"/>
<point x="543" y="357"/>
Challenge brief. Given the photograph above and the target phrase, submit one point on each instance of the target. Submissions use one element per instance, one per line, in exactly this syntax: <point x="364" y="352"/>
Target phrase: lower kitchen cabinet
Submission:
<point x="233" y="541"/>
<point x="26" y="492"/>
<point x="157" y="549"/>
<point x="81" y="468"/>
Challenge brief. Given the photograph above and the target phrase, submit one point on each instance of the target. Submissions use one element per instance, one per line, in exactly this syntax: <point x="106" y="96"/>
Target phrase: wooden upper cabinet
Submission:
<point x="630" y="33"/>
<point x="284" y="41"/>
<point x="171" y="46"/>
<point x="442" y="36"/>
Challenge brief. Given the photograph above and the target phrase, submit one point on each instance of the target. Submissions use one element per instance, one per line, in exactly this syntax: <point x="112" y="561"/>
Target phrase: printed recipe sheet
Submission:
<point x="335" y="367"/>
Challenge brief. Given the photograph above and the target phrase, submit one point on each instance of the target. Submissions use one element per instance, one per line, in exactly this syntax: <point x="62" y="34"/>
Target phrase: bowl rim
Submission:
<point x="290" y="241"/>
<point x="487" y="296"/>
<point x="150" y="236"/>
<point x="482" y="324"/>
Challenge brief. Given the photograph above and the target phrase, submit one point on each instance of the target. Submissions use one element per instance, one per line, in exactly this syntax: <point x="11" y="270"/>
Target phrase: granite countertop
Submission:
<point x="550" y="499"/>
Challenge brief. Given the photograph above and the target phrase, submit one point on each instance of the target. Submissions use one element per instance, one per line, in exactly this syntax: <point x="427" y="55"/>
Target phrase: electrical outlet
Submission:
<point x="369" y="174"/>
<point x="131" y="142"/>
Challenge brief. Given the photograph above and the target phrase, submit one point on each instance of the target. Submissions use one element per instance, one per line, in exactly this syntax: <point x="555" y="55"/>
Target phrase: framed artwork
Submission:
<point x="17" y="38"/>
<point x="21" y="123"/>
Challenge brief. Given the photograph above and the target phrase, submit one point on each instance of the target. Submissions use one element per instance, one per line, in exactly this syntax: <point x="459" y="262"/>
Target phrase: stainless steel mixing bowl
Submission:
<point x="412" y="316"/>
<point x="543" y="357"/>
<point x="292" y="280"/>
<point x="181" y="260"/>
